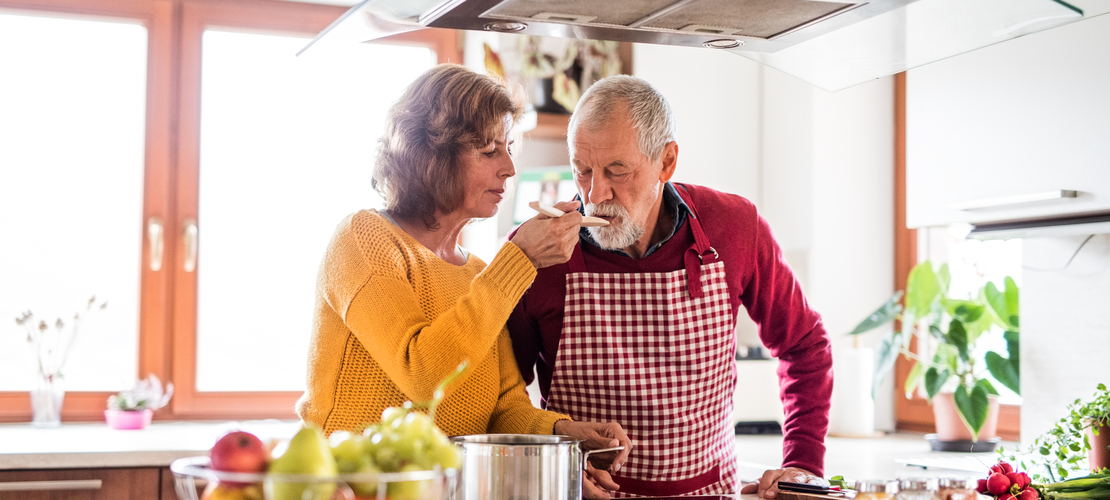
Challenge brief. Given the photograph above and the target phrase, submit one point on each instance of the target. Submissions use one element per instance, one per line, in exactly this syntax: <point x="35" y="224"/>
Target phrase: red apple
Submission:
<point x="239" y="451"/>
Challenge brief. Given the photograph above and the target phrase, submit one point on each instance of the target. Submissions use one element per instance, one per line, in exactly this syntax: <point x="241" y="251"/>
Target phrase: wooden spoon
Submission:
<point x="551" y="211"/>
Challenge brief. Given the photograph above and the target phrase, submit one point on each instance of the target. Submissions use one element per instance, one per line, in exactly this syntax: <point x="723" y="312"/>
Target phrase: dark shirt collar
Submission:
<point x="672" y="204"/>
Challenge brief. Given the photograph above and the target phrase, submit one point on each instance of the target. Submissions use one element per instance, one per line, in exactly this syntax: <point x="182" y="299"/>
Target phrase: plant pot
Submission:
<point x="950" y="427"/>
<point x="1099" y="454"/>
<point x="128" y="419"/>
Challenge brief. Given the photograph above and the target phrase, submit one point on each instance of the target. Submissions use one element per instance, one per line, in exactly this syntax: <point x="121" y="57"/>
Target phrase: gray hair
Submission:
<point x="647" y="109"/>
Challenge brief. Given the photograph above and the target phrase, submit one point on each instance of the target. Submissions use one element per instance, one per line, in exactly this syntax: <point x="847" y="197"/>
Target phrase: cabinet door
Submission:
<point x="1001" y="125"/>
<point x="81" y="484"/>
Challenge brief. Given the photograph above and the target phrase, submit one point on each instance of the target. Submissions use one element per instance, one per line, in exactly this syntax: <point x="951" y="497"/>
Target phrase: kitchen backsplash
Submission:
<point x="1065" y="314"/>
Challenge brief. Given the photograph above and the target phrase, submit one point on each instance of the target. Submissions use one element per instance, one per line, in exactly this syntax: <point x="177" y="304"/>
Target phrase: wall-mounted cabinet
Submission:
<point x="1005" y="132"/>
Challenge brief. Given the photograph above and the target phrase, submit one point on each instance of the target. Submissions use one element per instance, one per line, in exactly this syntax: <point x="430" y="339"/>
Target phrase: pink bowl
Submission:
<point x="124" y="420"/>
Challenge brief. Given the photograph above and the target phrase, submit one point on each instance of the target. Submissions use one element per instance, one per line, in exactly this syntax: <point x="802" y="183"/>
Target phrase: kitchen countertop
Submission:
<point x="94" y="445"/>
<point x="85" y="445"/>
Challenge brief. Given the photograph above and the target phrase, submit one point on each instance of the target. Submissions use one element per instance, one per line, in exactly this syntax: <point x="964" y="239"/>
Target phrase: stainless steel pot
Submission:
<point x="521" y="467"/>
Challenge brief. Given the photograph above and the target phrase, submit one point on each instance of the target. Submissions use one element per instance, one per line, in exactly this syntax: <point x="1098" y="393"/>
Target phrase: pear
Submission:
<point x="308" y="453"/>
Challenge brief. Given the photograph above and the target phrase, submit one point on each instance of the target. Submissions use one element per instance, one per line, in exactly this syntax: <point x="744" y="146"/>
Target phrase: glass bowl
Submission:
<point x="194" y="479"/>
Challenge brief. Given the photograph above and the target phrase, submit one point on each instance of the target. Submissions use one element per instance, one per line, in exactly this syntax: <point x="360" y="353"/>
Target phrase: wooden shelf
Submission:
<point x="549" y="126"/>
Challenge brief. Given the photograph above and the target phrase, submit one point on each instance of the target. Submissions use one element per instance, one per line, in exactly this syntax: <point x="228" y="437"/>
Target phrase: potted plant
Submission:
<point x="134" y="408"/>
<point x="1080" y="435"/>
<point x="951" y="372"/>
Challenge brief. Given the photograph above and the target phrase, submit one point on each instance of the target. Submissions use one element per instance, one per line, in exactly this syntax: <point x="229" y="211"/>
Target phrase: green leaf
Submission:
<point x="883" y="315"/>
<point x="1012" y="302"/>
<point x="972" y="408"/>
<point x="922" y="289"/>
<point x="957" y="337"/>
<point x="934" y="330"/>
<point x="1004" y="370"/>
<point x="988" y="386"/>
<point x="1013" y="347"/>
<point x="934" y="380"/>
<point x="966" y="310"/>
<point x="944" y="277"/>
<point x="886" y="352"/>
<point x="997" y="300"/>
<point x="913" y="379"/>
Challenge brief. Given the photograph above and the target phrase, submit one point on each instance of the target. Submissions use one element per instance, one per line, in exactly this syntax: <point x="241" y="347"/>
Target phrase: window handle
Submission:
<point x="154" y="233"/>
<point x="191" y="233"/>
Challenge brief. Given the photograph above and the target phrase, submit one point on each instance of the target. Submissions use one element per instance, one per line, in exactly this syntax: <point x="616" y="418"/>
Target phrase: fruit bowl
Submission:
<point x="193" y="472"/>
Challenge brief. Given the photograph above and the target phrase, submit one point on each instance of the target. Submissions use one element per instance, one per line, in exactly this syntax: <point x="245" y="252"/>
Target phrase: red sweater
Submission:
<point x="757" y="276"/>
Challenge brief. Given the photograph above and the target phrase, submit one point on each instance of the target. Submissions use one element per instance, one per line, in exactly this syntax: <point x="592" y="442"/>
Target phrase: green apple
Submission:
<point x="308" y="453"/>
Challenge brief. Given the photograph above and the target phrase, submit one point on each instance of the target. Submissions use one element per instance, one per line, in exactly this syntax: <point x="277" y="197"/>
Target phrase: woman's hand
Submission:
<point x="550" y="240"/>
<point x="596" y="436"/>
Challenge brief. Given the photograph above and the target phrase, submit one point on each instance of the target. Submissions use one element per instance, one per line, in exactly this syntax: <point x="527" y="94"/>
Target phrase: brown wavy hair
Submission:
<point x="444" y="113"/>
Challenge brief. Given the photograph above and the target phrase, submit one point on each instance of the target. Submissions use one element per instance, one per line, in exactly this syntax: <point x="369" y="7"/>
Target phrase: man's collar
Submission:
<point x="672" y="204"/>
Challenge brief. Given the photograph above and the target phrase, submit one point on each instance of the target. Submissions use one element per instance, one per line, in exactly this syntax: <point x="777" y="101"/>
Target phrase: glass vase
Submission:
<point x="46" y="402"/>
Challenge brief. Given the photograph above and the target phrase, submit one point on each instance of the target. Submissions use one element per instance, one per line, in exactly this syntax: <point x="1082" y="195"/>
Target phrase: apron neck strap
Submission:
<point x="698" y="254"/>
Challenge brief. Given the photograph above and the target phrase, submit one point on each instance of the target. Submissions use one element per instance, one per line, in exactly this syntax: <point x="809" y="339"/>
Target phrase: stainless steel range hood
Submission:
<point x="830" y="44"/>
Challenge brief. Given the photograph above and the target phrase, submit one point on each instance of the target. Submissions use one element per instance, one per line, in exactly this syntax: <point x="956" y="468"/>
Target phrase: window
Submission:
<point x="190" y="122"/>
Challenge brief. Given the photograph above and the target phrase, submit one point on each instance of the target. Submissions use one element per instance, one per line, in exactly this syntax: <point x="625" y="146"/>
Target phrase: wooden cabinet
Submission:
<point x="1002" y="125"/>
<point x="86" y="484"/>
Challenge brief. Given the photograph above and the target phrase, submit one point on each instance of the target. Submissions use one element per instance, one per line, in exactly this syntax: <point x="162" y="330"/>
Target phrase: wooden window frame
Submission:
<point x="167" y="322"/>
<point x="916" y="414"/>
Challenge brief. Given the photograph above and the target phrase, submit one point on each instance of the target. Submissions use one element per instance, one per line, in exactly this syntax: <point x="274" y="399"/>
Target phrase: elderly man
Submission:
<point x="639" y="326"/>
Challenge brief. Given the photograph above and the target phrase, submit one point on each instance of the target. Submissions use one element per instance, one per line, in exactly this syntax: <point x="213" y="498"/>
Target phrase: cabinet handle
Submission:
<point x="154" y="233"/>
<point x="191" y="233"/>
<point x="69" y="485"/>
<point x="1015" y="199"/>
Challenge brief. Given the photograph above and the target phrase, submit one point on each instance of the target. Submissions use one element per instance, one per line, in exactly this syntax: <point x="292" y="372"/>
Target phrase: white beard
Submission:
<point x="621" y="232"/>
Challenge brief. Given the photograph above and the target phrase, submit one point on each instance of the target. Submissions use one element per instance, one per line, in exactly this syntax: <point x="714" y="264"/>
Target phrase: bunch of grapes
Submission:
<point x="405" y="440"/>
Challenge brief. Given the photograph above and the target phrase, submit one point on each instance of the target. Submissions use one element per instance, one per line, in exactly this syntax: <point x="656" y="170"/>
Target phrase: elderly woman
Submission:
<point x="399" y="304"/>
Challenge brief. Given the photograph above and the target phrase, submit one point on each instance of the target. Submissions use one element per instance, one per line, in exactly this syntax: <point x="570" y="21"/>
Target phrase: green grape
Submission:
<point x="391" y="414"/>
<point x="446" y="456"/>
<point x="385" y="455"/>
<point x="407" y="447"/>
<point x="366" y="489"/>
<point x="408" y="490"/>
<point x="417" y="425"/>
<point x="348" y="452"/>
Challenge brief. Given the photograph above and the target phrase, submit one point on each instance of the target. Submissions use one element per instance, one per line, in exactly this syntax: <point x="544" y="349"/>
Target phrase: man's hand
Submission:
<point x="597" y="436"/>
<point x="768" y="485"/>
<point x="596" y="484"/>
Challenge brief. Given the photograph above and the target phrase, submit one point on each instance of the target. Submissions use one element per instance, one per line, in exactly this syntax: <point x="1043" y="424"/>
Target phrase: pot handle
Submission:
<point x="586" y="455"/>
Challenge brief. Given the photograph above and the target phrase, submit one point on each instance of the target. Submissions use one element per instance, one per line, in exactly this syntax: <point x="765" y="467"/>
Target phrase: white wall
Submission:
<point x="1065" y="330"/>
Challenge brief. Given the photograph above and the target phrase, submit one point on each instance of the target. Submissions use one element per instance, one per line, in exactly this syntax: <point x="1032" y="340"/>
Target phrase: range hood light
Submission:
<point x="723" y="43"/>
<point x="506" y="26"/>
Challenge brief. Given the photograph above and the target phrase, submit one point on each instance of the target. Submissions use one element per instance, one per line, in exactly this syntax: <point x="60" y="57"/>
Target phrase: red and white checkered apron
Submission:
<point x="654" y="352"/>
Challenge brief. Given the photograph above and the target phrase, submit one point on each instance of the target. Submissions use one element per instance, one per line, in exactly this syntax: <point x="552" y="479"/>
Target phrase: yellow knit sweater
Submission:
<point x="392" y="320"/>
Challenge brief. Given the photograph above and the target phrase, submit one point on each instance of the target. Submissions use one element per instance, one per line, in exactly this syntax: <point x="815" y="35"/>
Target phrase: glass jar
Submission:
<point x="956" y="488"/>
<point x="917" y="488"/>
<point x="876" y="490"/>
